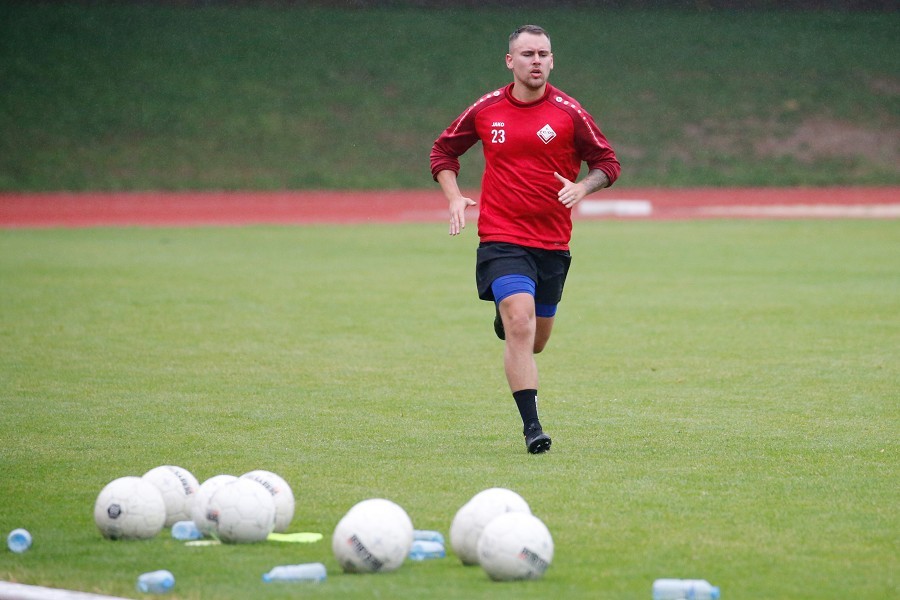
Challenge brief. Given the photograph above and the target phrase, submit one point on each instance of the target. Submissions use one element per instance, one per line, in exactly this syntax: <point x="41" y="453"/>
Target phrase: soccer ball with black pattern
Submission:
<point x="515" y="546"/>
<point x="129" y="508"/>
<point x="375" y="536"/>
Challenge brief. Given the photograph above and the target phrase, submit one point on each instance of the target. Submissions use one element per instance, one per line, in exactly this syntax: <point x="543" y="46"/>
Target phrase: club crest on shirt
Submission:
<point x="546" y="133"/>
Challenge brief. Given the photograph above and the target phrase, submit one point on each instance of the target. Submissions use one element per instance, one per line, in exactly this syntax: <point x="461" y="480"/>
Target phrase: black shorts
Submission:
<point x="548" y="269"/>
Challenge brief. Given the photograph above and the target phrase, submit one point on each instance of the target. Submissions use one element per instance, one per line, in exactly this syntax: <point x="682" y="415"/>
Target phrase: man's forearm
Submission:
<point x="595" y="180"/>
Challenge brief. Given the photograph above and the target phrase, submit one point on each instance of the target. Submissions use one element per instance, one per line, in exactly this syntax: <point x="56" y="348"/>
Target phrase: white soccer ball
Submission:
<point x="281" y="494"/>
<point x="471" y="519"/>
<point x="200" y="505"/>
<point x="514" y="546"/>
<point x="374" y="536"/>
<point x="178" y="487"/>
<point x="129" y="508"/>
<point x="243" y="512"/>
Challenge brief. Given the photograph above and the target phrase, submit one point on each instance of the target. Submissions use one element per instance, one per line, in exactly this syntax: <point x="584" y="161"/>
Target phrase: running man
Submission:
<point x="535" y="139"/>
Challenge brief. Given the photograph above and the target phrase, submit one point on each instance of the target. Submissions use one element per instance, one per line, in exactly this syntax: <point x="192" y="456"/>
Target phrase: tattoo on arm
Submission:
<point x="595" y="180"/>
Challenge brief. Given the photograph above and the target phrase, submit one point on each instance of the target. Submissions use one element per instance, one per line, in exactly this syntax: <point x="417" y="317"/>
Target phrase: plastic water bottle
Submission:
<point x="684" y="589"/>
<point x="427" y="535"/>
<point x="186" y="530"/>
<point x="305" y="572"/>
<point x="156" y="582"/>
<point x="425" y="549"/>
<point x="18" y="540"/>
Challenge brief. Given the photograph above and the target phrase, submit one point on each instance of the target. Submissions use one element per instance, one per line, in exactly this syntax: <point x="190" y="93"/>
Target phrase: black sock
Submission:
<point x="526" y="401"/>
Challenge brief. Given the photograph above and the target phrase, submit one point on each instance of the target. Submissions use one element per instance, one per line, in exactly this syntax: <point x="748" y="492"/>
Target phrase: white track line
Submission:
<point x="646" y="208"/>
<point x="18" y="591"/>
<point x="830" y="211"/>
<point x="615" y="208"/>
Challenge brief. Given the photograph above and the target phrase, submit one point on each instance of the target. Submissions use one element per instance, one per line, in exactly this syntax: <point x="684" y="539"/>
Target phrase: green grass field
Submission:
<point x="133" y="96"/>
<point x="723" y="397"/>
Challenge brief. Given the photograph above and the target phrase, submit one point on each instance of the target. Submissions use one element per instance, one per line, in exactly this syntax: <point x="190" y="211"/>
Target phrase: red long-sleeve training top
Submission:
<point x="524" y="143"/>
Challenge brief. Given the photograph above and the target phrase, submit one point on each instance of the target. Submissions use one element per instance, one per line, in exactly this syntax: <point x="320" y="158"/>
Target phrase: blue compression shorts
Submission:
<point x="507" y="285"/>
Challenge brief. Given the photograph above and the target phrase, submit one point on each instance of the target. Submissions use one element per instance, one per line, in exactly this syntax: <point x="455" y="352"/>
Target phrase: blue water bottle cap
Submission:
<point x="19" y="540"/>
<point x="714" y="593"/>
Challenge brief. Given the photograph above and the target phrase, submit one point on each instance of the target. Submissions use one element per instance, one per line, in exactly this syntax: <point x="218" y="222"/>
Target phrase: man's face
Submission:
<point x="530" y="60"/>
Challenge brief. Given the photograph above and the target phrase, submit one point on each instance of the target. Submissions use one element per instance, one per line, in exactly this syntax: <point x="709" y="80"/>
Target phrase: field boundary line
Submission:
<point x="231" y="208"/>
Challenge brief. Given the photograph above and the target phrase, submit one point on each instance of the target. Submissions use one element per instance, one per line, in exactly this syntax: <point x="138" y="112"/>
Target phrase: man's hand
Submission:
<point x="457" y="202"/>
<point x="458" y="206"/>
<point x="572" y="193"/>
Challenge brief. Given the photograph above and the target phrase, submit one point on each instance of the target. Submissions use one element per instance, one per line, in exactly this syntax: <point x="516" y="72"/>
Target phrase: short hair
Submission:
<point x="533" y="29"/>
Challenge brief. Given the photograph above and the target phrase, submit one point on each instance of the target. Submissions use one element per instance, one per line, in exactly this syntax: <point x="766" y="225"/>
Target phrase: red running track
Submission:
<point x="181" y="209"/>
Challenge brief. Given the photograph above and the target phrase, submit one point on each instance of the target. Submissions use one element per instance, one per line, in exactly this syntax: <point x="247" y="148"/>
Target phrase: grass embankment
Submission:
<point x="148" y="97"/>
